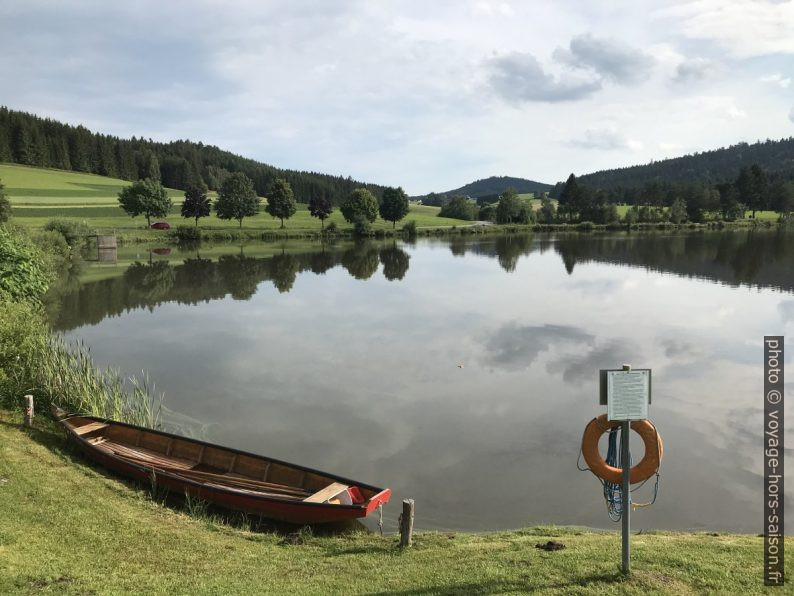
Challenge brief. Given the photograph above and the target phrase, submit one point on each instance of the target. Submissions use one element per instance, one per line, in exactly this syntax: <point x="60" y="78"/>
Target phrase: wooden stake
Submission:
<point x="28" y="410"/>
<point x="407" y="523"/>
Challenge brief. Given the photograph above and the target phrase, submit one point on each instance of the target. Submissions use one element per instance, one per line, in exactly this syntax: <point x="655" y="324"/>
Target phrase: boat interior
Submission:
<point x="215" y="466"/>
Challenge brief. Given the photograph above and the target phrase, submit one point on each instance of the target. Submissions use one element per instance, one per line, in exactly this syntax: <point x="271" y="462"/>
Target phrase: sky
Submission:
<point x="427" y="95"/>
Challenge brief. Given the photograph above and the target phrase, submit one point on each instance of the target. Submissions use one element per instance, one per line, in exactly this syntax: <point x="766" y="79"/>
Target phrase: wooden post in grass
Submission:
<point x="28" y="410"/>
<point x="407" y="523"/>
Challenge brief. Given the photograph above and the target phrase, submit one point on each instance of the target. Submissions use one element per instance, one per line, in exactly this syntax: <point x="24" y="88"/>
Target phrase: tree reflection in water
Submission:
<point x="395" y="262"/>
<point x="764" y="259"/>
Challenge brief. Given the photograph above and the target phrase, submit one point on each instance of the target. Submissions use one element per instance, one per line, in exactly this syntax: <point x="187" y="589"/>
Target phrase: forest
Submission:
<point x="705" y="169"/>
<point x="30" y="140"/>
<point x="753" y="189"/>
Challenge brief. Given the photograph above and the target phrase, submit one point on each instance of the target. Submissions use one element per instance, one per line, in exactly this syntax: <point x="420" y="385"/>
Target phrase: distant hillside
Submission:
<point x="707" y="167"/>
<point x="492" y="186"/>
<point x="29" y="140"/>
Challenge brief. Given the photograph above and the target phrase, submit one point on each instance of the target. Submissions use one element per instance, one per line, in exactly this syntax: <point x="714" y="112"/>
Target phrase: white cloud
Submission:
<point x="669" y="147"/>
<point x="777" y="79"/>
<point x="718" y="107"/>
<point x="492" y="9"/>
<point x="743" y="28"/>
<point x="423" y="95"/>
<point x="605" y="138"/>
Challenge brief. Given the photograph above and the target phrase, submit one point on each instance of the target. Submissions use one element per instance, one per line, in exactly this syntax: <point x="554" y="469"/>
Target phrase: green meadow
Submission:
<point x="41" y="187"/>
<point x="38" y="195"/>
<point x="71" y="528"/>
<point x="761" y="215"/>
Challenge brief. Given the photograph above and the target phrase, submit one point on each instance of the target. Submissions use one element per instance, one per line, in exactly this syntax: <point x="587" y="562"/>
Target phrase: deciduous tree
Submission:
<point x="781" y="196"/>
<point x="695" y="200"/>
<point x="281" y="201"/>
<point x="394" y="205"/>
<point x="547" y="213"/>
<point x="145" y="197"/>
<point x="752" y="187"/>
<point x="360" y="205"/>
<point x="197" y="204"/>
<point x="512" y="209"/>
<point x="237" y="198"/>
<point x="677" y="213"/>
<point x="321" y="208"/>
<point x="459" y="207"/>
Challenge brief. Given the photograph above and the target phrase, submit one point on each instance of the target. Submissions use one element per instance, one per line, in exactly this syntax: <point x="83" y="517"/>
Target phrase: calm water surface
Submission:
<point x="461" y="373"/>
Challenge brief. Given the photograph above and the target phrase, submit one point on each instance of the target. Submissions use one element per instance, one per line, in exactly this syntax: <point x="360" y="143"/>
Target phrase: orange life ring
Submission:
<point x="648" y="465"/>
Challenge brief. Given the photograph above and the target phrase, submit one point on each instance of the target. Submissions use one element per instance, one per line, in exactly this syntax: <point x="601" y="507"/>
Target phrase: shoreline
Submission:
<point x="471" y="230"/>
<point x="75" y="528"/>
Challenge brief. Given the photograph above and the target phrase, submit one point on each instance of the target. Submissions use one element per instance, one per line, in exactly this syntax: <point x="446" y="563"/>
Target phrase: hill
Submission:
<point x="27" y="139"/>
<point x="490" y="187"/>
<point x="708" y="167"/>
<point x="38" y="195"/>
<point x="28" y="186"/>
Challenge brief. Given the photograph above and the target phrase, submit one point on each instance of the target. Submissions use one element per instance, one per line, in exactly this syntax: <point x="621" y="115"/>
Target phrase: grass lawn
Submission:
<point x="67" y="527"/>
<point x="536" y="203"/>
<point x="113" y="218"/>
<point x="27" y="185"/>
<point x="767" y="215"/>
<point x="38" y="195"/>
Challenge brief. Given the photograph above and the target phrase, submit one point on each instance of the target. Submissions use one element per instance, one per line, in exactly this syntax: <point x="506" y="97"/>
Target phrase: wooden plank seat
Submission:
<point x="327" y="493"/>
<point x="89" y="428"/>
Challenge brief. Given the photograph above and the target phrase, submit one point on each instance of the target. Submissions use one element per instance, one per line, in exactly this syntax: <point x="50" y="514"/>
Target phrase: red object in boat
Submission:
<point x="224" y="476"/>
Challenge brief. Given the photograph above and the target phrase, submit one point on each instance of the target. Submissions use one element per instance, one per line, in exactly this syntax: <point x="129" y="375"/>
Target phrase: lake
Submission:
<point x="460" y="372"/>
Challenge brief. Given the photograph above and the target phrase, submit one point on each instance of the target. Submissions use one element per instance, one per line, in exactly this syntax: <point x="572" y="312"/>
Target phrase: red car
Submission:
<point x="161" y="225"/>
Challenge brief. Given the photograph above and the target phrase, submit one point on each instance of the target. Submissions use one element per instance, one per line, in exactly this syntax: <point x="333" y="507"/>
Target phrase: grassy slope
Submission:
<point x="69" y="528"/>
<point x="41" y="187"/>
<point x="768" y="215"/>
<point x="38" y="195"/>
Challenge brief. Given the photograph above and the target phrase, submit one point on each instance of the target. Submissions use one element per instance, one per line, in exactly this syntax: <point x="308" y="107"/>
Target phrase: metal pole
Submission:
<point x="626" y="496"/>
<point x="625" y="457"/>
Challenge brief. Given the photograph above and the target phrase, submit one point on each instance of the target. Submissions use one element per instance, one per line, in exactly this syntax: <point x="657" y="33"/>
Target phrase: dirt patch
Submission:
<point x="550" y="545"/>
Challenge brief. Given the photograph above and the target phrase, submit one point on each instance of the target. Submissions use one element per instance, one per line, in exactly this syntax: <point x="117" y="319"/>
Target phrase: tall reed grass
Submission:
<point x="68" y="378"/>
<point x="34" y="360"/>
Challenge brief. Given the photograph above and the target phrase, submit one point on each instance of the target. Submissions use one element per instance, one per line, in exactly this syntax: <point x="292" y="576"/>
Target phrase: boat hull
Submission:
<point x="291" y="511"/>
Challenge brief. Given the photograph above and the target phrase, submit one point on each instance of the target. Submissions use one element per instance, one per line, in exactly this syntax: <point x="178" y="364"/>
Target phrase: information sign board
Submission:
<point x="628" y="394"/>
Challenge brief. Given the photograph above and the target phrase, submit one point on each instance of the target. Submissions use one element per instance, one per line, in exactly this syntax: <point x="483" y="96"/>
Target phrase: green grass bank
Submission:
<point x="70" y="528"/>
<point x="39" y="195"/>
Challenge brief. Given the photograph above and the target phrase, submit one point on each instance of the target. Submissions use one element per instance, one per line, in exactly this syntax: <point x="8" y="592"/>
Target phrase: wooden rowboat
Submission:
<point x="227" y="477"/>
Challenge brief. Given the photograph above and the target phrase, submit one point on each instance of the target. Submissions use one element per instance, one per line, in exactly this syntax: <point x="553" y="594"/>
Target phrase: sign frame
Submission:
<point x="602" y="383"/>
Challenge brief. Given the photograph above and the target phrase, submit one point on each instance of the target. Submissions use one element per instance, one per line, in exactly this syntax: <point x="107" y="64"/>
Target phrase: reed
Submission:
<point x="68" y="378"/>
